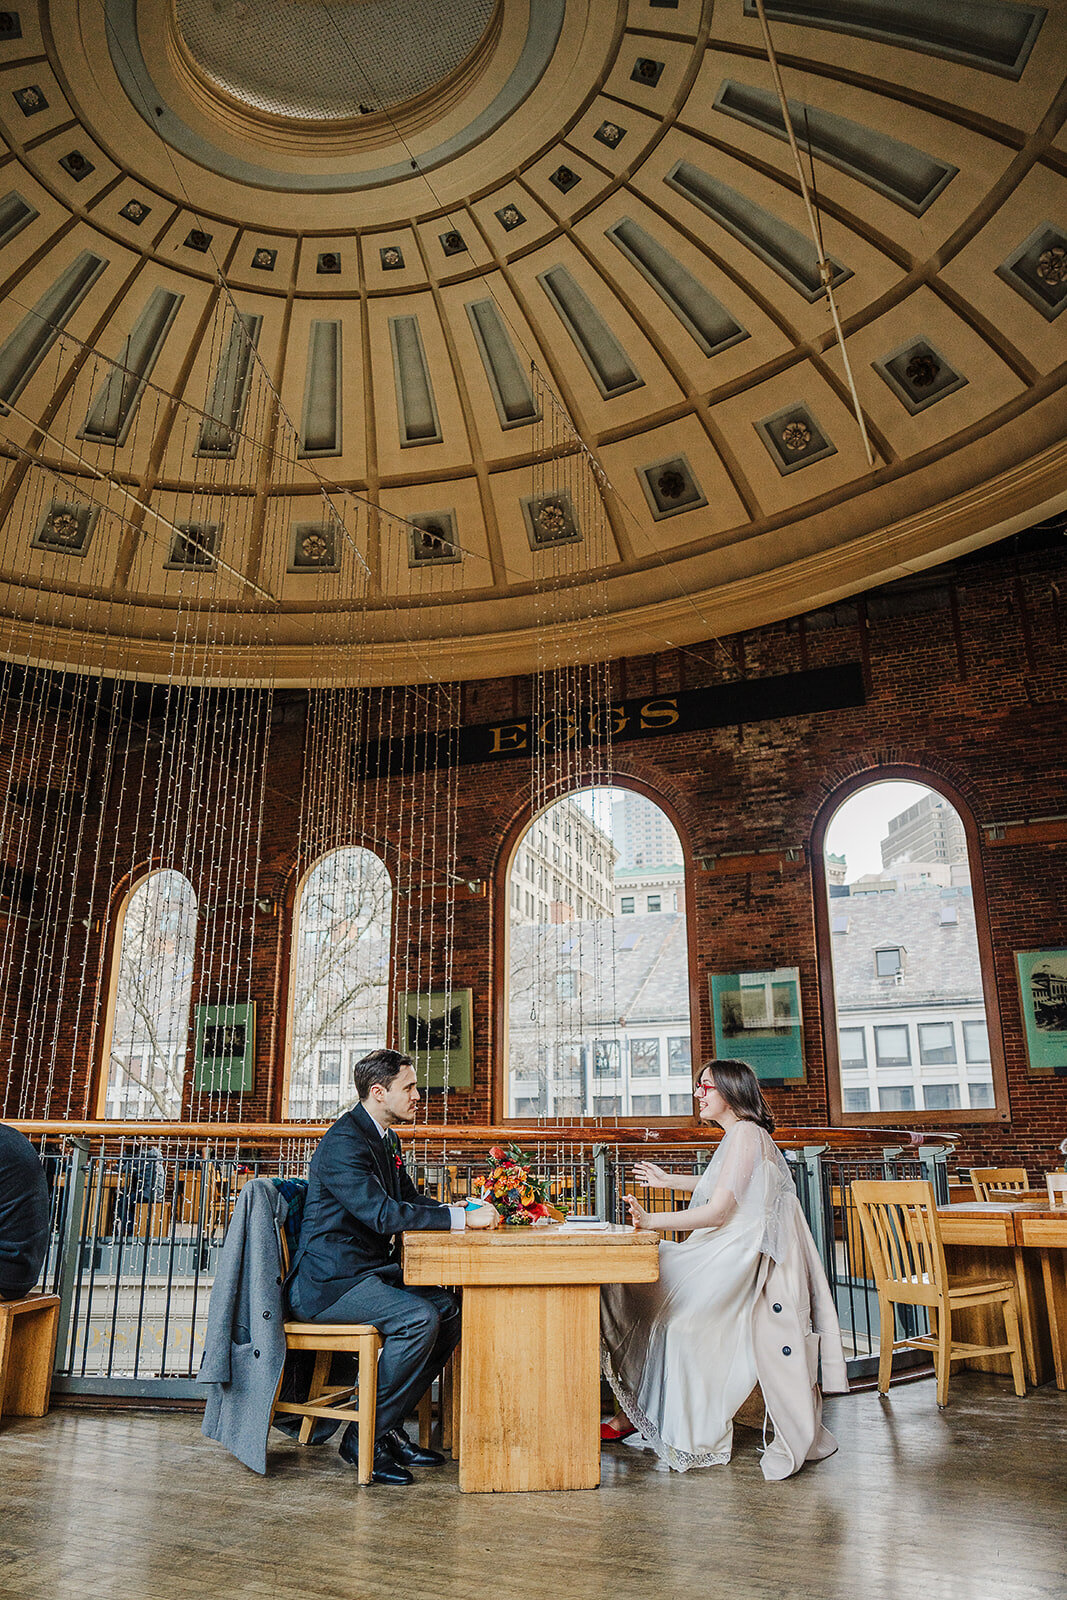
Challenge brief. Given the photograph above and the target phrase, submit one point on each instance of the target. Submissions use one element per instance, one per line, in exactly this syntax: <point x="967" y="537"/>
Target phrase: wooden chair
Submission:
<point x="900" y="1230"/>
<point x="27" y="1354"/>
<point x="993" y="1183"/>
<point x="328" y="1339"/>
<point x="1001" y="1183"/>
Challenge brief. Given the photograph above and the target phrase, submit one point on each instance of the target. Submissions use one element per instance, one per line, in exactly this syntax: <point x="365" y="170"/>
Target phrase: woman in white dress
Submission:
<point x="681" y="1354"/>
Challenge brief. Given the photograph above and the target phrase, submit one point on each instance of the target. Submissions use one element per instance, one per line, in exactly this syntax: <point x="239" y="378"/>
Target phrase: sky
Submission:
<point x="862" y="822"/>
<point x="856" y="832"/>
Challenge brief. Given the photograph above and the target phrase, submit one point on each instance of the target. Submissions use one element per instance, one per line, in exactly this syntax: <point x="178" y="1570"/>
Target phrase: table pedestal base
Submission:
<point x="529" y="1388"/>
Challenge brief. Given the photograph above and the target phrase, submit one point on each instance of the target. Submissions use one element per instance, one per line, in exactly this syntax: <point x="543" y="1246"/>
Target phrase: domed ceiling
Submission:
<point x="465" y="334"/>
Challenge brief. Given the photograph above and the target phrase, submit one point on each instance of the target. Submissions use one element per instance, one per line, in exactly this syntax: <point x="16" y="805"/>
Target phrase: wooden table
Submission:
<point x="529" y="1378"/>
<point x="1026" y="1239"/>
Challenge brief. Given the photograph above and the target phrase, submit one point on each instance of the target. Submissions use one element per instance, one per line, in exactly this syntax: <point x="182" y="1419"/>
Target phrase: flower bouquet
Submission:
<point x="521" y="1198"/>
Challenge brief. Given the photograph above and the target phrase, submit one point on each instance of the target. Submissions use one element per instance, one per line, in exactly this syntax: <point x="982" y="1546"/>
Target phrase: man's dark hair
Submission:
<point x="381" y="1066"/>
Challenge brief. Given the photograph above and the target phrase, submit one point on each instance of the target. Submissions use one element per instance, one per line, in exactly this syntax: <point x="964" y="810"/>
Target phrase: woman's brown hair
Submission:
<point x="739" y="1087"/>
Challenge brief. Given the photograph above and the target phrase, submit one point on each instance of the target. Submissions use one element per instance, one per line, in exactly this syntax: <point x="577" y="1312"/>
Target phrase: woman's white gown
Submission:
<point x="678" y="1353"/>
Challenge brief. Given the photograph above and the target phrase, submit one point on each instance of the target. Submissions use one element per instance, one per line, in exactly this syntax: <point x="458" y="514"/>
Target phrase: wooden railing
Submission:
<point x="458" y="1134"/>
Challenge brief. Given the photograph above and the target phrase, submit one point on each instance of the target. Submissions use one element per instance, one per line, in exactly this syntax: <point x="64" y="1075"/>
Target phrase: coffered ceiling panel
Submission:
<point x="394" y="321"/>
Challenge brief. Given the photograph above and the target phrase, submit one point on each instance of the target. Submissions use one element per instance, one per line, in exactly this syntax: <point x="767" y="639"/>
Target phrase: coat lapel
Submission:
<point x="379" y="1148"/>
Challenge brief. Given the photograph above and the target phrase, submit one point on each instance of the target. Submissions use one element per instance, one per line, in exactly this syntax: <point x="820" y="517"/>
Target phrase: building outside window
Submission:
<point x="342" y="931"/>
<point x="908" y="983"/>
<point x="153" y="985"/>
<point x="655" y="902"/>
<point x="619" y="992"/>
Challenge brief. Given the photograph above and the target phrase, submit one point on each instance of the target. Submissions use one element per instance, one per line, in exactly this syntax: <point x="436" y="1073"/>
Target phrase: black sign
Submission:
<point x="726" y="705"/>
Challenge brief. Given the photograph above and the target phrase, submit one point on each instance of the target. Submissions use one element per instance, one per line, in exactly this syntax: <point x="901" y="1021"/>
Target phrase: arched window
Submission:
<point x="909" y="1010"/>
<point x="153" y="990"/>
<point x="339" y="1005"/>
<point x="597" y="1007"/>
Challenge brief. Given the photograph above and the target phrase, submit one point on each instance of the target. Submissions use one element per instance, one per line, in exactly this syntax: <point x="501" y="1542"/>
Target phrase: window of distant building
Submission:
<point x="937" y="1043"/>
<point x="680" y="1057"/>
<point x="892" y="1047"/>
<point x="339" y="999"/>
<point x="908" y="991"/>
<point x="852" y="1045"/>
<point x="975" y="1041"/>
<point x="153" y="984"/>
<point x="644" y="1058"/>
<point x="594" y="1006"/>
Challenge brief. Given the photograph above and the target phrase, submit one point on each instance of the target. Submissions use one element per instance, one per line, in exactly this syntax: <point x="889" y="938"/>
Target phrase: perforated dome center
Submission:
<point x="329" y="59"/>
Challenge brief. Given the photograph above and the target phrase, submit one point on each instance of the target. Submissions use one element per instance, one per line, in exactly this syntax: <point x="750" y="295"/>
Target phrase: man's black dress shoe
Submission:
<point x="386" y="1468"/>
<point x="401" y="1449"/>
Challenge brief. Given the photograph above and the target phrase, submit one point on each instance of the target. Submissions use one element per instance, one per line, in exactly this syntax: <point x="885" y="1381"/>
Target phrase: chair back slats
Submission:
<point x="899" y="1222"/>
<point x="989" y="1182"/>
<point x="903" y="1239"/>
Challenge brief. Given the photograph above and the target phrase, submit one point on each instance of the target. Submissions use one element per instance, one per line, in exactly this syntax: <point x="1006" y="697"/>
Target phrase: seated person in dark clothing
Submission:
<point x="24" y="1212"/>
<point x="360" y="1200"/>
<point x="144" y="1182"/>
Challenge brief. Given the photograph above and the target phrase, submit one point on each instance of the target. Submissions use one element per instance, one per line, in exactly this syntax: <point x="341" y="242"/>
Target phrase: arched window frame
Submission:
<point x="121" y="901"/>
<point x="292" y="921"/>
<point x="999" y="1111"/>
<point x="511" y="842"/>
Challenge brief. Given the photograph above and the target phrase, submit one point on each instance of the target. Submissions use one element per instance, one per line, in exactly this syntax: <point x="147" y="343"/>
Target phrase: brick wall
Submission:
<point x="965" y="675"/>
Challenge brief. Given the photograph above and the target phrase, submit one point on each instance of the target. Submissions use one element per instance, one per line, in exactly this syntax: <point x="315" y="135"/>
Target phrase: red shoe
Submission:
<point x="612" y="1435"/>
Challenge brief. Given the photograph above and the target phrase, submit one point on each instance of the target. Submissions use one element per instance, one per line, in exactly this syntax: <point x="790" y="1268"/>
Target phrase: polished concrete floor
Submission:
<point x="965" y="1504"/>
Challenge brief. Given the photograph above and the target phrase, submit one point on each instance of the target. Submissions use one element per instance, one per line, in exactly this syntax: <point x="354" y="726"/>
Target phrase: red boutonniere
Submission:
<point x="397" y="1159"/>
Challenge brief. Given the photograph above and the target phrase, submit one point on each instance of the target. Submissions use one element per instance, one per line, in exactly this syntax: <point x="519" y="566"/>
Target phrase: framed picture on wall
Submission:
<point x="435" y="1031"/>
<point x="1043" y="999"/>
<point x="224" y="1060"/>
<point x="756" y="1017"/>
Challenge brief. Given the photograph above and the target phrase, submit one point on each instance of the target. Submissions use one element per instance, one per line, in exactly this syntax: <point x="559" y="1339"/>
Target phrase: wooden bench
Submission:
<point x="28" y="1330"/>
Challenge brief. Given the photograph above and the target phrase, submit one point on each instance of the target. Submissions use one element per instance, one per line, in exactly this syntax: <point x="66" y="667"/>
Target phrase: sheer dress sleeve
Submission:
<point x="749" y="1173"/>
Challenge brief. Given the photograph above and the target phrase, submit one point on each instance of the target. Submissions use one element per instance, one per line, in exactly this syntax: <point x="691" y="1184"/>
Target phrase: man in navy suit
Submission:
<point x="347" y="1268"/>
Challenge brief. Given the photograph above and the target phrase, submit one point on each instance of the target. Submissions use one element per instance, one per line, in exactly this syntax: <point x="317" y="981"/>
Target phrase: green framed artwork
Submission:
<point x="224" y="1060"/>
<point x="435" y="1031"/>
<point x="756" y="1017"/>
<point x="1043" y="999"/>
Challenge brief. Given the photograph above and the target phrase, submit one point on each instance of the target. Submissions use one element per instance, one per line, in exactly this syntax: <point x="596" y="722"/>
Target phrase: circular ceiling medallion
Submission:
<point x="328" y="96"/>
<point x="331" y="60"/>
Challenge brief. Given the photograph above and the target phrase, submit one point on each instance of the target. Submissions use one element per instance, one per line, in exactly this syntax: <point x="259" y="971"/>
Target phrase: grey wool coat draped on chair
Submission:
<point x="244" y="1345"/>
